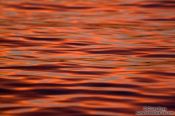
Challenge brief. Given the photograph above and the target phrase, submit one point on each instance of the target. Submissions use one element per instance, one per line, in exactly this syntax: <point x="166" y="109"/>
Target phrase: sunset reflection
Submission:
<point x="86" y="58"/>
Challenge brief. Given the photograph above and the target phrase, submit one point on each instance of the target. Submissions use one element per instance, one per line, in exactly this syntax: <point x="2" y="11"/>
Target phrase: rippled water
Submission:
<point x="86" y="57"/>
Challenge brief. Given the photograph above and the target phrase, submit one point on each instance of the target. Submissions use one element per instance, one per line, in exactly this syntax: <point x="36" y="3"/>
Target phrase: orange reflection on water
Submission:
<point x="82" y="58"/>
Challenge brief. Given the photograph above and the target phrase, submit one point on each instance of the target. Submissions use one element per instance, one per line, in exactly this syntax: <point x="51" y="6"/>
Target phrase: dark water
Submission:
<point x="86" y="57"/>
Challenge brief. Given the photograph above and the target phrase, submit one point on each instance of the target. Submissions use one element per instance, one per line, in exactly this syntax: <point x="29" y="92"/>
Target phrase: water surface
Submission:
<point x="86" y="57"/>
